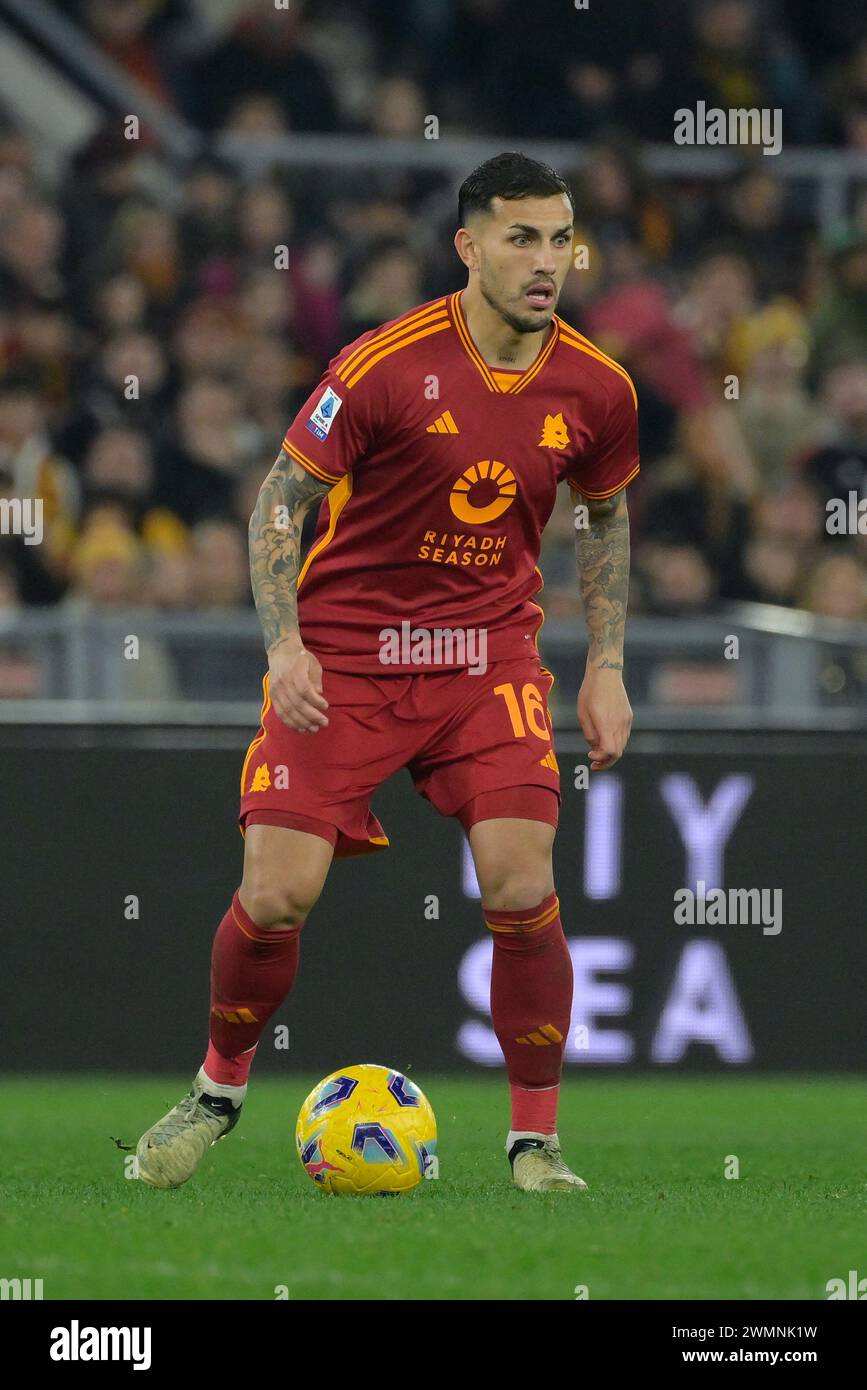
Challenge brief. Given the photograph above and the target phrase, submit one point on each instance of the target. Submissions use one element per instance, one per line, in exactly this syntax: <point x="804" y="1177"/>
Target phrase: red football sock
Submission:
<point x="252" y="972"/>
<point x="531" y="1008"/>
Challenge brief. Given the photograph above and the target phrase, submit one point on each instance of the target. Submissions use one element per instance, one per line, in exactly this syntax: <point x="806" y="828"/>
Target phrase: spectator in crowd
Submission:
<point x="837" y="588"/>
<point x="143" y="240"/>
<point x="846" y="93"/>
<point x="37" y="473"/>
<point x="160" y="323"/>
<point x="122" y="30"/>
<point x="398" y="109"/>
<point x="837" y="464"/>
<point x="387" y="285"/>
<point x="20" y="671"/>
<point x="208" y="219"/>
<point x="839" y="325"/>
<point x="676" y="579"/>
<point x="209" y="338"/>
<point x="117" y="302"/>
<point x="739" y="55"/>
<point x="108" y="569"/>
<point x="168" y="583"/>
<point x="777" y="415"/>
<point x="31" y="243"/>
<point x="37" y="568"/>
<point x="753" y="216"/>
<point x="615" y="202"/>
<point x="107" y="172"/>
<point x="210" y="443"/>
<point x="271" y="377"/>
<point x="220" y="571"/>
<point x="267" y="51"/>
<point x="40" y="346"/>
<point x="126" y="384"/>
<point x="119" y="480"/>
<point x="719" y="299"/>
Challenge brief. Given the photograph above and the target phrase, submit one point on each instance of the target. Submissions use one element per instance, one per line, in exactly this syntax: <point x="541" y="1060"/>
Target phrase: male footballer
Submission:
<point x="408" y="638"/>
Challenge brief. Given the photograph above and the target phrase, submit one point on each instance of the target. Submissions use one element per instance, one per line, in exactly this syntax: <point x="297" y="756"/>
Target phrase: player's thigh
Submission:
<point x="513" y="861"/>
<point x="284" y="873"/>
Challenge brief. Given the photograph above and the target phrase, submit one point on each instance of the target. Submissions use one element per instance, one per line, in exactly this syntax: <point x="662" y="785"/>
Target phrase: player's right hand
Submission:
<point x="295" y="686"/>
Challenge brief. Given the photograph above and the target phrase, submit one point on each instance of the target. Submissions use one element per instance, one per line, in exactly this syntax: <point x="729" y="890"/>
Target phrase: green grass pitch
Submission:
<point x="660" y="1220"/>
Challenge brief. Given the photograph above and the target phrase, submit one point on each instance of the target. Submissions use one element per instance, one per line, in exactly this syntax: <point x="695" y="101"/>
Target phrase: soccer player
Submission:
<point x="408" y="638"/>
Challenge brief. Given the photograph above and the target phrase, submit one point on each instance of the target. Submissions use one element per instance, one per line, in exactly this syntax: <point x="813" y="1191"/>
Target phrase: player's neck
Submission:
<point x="498" y="343"/>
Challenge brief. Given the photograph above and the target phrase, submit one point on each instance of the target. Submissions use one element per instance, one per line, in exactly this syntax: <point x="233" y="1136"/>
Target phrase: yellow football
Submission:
<point x="367" y="1130"/>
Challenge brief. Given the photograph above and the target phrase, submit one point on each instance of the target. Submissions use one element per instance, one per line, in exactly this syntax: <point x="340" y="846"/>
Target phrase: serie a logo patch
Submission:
<point x="323" y="417"/>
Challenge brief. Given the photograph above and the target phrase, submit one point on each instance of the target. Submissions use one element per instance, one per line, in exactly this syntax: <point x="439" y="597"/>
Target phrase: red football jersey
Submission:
<point x="444" y="474"/>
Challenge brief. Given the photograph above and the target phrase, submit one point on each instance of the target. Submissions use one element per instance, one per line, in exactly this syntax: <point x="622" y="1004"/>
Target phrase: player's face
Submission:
<point x="524" y="250"/>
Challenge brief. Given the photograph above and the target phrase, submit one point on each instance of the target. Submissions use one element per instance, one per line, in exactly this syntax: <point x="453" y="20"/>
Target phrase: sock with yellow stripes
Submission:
<point x="252" y="972"/>
<point x="531" y="1008"/>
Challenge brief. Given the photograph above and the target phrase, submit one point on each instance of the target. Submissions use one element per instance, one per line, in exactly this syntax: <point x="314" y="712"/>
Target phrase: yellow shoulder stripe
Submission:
<point x="395" y="347"/>
<point x="576" y="340"/>
<point x="318" y="472"/>
<point x="567" y="328"/>
<point x="415" y="320"/>
<point x="601" y="496"/>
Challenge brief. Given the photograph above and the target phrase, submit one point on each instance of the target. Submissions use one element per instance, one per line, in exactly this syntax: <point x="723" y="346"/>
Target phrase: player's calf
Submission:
<point x="531" y="1006"/>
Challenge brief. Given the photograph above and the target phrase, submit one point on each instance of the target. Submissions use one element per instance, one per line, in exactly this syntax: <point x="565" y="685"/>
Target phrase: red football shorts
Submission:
<point x="476" y="747"/>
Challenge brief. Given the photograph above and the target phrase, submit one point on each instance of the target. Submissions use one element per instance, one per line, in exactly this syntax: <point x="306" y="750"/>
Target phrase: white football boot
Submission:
<point x="171" y="1150"/>
<point x="537" y="1165"/>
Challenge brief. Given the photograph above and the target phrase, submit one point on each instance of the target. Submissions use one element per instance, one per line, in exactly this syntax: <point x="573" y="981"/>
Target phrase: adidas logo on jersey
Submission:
<point x="443" y="425"/>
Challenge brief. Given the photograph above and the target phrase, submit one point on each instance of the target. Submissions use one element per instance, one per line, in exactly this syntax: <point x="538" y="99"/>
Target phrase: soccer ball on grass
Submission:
<point x="367" y="1130"/>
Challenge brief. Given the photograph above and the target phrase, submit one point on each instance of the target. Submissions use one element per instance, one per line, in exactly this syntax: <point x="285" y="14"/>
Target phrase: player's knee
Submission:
<point x="281" y="905"/>
<point x="517" y="889"/>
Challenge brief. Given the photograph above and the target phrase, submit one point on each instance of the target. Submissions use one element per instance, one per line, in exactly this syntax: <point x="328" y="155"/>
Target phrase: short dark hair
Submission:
<point x="508" y="175"/>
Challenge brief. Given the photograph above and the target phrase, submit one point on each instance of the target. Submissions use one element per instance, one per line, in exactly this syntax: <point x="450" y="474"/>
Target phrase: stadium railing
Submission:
<point x="751" y="666"/>
<point x="834" y="173"/>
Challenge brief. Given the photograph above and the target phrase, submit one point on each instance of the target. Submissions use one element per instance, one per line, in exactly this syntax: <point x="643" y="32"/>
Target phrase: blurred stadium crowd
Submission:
<point x="127" y="267"/>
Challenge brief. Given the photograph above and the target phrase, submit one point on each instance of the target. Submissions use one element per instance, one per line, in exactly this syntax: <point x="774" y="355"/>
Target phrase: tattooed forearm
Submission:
<point x="284" y="499"/>
<point x="602" y="550"/>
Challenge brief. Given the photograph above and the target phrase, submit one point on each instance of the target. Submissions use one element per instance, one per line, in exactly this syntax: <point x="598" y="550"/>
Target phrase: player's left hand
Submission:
<point x="605" y="716"/>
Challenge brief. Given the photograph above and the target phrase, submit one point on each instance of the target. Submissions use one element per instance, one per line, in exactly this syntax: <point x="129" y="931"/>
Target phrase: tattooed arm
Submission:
<point x="284" y="500"/>
<point x="602" y="551"/>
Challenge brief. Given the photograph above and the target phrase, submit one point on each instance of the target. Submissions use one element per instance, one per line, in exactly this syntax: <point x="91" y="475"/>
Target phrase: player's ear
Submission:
<point x="466" y="248"/>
